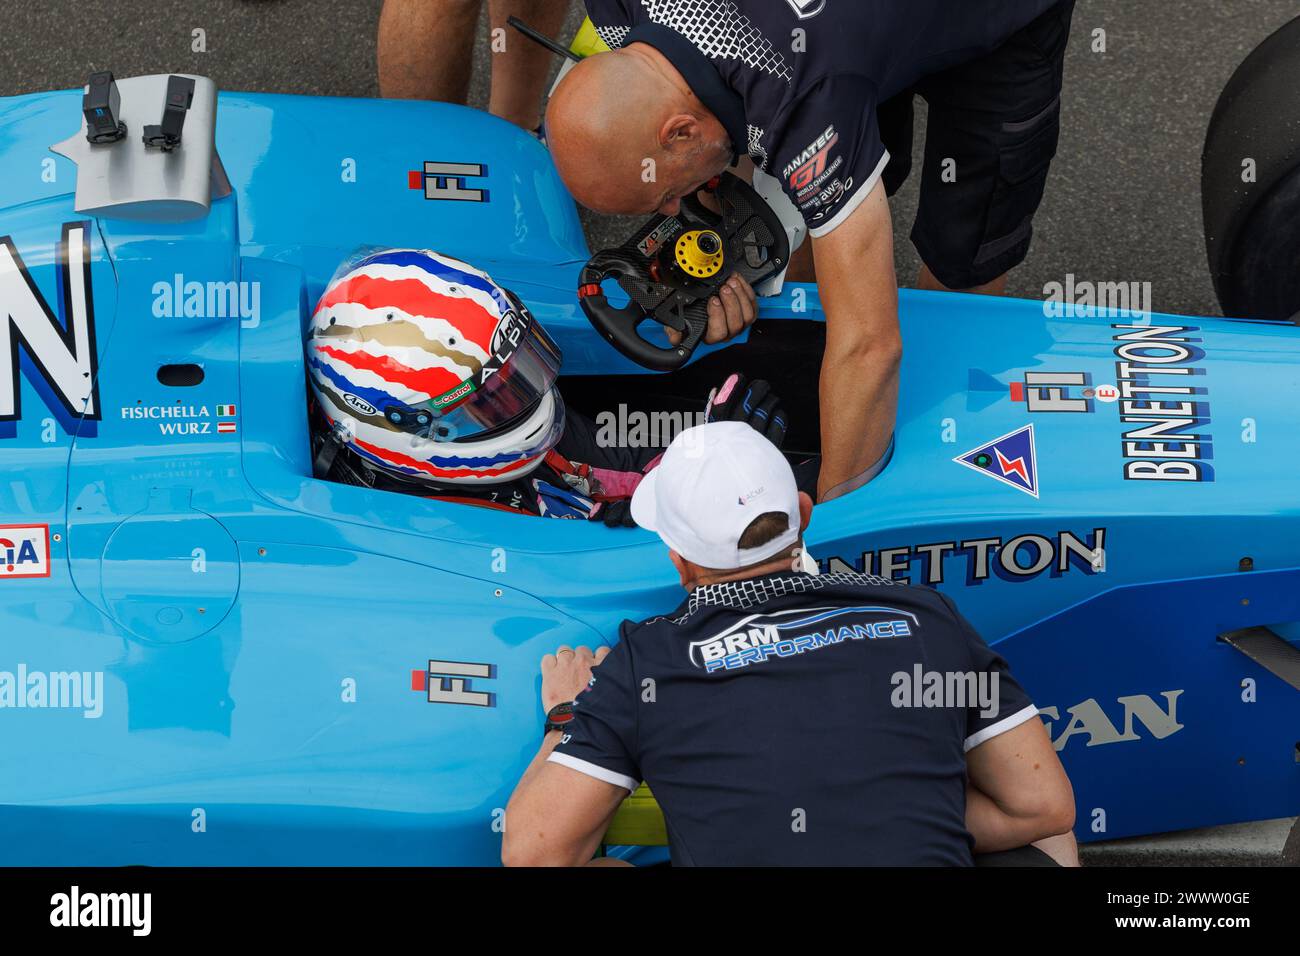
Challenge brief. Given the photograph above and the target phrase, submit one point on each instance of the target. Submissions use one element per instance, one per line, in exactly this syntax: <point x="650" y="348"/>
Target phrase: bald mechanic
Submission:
<point x="691" y="84"/>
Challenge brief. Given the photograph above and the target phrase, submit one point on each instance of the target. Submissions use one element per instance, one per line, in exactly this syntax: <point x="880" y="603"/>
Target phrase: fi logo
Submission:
<point x="24" y="551"/>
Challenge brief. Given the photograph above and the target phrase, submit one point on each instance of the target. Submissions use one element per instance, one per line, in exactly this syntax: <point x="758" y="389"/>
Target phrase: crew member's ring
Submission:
<point x="563" y="650"/>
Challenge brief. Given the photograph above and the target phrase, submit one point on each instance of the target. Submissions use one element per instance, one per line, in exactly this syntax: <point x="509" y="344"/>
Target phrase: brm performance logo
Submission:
<point x="790" y="633"/>
<point x="55" y="353"/>
<point x="448" y="682"/>
<point x="448" y="181"/>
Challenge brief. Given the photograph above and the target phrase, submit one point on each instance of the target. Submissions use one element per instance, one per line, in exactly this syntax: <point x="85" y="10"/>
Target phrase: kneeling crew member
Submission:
<point x="774" y="713"/>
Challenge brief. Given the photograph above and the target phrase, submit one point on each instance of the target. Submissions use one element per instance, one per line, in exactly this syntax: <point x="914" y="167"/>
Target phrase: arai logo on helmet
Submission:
<point x="359" y="405"/>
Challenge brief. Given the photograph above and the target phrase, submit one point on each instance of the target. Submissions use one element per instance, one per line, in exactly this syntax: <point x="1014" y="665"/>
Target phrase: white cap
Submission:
<point x="712" y="482"/>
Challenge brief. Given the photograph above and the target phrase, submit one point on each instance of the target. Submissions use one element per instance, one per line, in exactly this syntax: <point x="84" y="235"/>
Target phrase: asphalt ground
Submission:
<point x="1122" y="203"/>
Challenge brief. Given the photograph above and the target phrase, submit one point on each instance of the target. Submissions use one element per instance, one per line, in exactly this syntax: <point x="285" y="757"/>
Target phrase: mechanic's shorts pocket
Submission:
<point x="1031" y="146"/>
<point x="1051" y="31"/>
<point x="1023" y="163"/>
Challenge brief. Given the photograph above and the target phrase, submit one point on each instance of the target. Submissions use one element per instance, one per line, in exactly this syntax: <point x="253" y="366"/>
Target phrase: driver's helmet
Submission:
<point x="431" y="372"/>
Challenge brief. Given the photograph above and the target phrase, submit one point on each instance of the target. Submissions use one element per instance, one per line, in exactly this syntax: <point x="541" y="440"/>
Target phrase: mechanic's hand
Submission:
<point x="615" y="514"/>
<point x="740" y="400"/>
<point x="731" y="311"/>
<point x="566" y="673"/>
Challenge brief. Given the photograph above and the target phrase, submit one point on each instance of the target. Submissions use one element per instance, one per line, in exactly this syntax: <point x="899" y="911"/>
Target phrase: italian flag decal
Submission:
<point x="225" y="411"/>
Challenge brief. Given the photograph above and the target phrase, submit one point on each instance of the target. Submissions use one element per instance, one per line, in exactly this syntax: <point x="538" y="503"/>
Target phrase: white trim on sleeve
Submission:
<point x="1001" y="727"/>
<point x="593" y="770"/>
<point x="861" y="193"/>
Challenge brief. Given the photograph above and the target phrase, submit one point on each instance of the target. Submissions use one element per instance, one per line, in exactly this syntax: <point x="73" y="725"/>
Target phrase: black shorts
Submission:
<point x="1021" y="856"/>
<point x="998" y="118"/>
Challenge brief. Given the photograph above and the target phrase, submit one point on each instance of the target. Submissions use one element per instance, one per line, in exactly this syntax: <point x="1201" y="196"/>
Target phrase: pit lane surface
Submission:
<point x="1122" y="205"/>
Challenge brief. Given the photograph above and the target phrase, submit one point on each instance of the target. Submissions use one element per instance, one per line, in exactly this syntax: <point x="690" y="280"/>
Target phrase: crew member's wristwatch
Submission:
<point x="558" y="717"/>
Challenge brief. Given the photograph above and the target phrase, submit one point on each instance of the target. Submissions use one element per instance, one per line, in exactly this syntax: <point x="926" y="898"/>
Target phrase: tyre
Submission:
<point x="1252" y="228"/>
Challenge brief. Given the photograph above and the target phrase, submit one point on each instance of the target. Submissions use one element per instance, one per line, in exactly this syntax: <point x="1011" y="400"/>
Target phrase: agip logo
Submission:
<point x="24" y="551"/>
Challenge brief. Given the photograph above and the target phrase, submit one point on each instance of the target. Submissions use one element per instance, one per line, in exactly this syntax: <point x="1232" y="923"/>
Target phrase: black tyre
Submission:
<point x="1291" y="850"/>
<point x="1252" y="229"/>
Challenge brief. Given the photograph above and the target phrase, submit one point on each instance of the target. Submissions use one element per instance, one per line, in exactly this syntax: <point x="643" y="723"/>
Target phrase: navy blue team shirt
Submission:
<point x="765" y="717"/>
<point x="803" y="106"/>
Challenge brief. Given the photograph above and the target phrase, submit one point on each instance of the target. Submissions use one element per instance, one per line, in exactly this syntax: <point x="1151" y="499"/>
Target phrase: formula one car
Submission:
<point x="210" y="656"/>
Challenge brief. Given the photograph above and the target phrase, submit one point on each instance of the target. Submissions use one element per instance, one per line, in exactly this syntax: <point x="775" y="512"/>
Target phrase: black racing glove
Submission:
<point x="736" y="400"/>
<point x="740" y="400"/>
<point x="616" y="514"/>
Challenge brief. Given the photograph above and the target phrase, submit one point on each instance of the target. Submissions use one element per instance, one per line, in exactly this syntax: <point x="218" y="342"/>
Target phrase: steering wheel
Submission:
<point x="674" y="264"/>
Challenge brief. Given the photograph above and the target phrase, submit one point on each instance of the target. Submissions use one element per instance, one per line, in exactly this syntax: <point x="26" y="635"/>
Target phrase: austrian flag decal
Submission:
<point x="226" y="428"/>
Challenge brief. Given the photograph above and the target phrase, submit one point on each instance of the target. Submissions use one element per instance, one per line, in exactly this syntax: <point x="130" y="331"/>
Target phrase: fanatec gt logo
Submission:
<point x="811" y="163"/>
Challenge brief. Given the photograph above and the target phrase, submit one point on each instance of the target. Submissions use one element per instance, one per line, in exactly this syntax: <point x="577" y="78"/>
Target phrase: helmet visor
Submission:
<point x="522" y="368"/>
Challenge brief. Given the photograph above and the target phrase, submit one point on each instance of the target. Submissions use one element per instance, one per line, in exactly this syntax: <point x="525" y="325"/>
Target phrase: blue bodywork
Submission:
<point x="264" y="638"/>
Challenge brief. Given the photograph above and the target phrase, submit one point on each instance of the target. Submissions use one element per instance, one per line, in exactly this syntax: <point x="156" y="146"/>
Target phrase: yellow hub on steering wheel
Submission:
<point x="699" y="253"/>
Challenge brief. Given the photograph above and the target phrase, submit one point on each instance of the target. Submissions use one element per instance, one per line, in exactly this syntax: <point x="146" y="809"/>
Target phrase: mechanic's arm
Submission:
<point x="859" y="378"/>
<point x="1018" y="792"/>
<point x="556" y="815"/>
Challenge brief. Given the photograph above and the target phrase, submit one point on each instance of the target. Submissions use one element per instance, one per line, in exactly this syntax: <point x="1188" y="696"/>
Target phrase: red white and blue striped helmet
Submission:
<point x="435" y="373"/>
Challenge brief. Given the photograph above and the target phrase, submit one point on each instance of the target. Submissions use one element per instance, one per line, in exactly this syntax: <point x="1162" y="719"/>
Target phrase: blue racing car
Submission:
<point x="208" y="655"/>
